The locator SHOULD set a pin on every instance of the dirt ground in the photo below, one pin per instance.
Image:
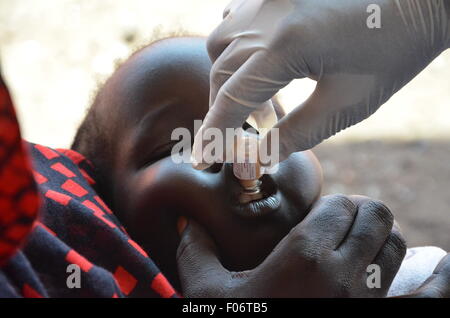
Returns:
(412, 178)
(55, 53)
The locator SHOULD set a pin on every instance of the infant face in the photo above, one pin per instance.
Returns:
(166, 86)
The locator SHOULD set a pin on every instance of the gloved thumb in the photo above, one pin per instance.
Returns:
(338, 102)
(199, 268)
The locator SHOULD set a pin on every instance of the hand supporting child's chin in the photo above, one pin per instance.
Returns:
(326, 255)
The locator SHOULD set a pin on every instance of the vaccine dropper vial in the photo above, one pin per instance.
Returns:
(246, 167)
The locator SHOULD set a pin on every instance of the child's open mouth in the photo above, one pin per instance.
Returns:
(261, 207)
(268, 202)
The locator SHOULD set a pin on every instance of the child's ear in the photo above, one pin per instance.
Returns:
(279, 110)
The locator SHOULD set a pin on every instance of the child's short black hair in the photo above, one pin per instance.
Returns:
(93, 142)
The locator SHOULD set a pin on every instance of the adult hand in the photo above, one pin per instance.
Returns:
(262, 45)
(326, 255)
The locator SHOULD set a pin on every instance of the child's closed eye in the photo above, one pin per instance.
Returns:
(159, 152)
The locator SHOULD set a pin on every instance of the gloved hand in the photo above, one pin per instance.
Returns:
(326, 255)
(262, 45)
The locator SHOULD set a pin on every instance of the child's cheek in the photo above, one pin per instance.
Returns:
(166, 184)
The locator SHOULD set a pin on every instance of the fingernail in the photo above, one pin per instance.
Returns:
(194, 162)
(199, 165)
(397, 226)
(181, 224)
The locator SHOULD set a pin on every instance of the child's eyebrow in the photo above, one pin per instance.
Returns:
(154, 113)
(147, 135)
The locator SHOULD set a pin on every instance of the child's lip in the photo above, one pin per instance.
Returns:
(270, 201)
(258, 208)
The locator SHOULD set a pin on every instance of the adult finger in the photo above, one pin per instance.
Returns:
(247, 90)
(236, 17)
(200, 271)
(308, 246)
(323, 229)
(370, 231)
(390, 258)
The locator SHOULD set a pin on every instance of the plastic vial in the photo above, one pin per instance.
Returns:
(246, 167)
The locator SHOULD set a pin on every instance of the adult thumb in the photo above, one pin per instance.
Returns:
(200, 271)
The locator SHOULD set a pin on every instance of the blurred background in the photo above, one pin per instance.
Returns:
(55, 53)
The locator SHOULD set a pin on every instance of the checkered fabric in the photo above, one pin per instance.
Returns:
(73, 226)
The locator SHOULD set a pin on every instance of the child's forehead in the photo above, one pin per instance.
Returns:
(171, 57)
(176, 68)
(167, 68)
(164, 97)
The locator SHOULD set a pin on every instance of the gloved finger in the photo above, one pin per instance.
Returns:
(204, 151)
(248, 89)
(263, 117)
(235, 19)
(198, 264)
(438, 284)
(390, 258)
(256, 81)
(231, 7)
(243, 32)
(338, 102)
(370, 230)
(226, 65)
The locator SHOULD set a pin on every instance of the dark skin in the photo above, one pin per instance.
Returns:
(165, 86)
(325, 255)
(169, 84)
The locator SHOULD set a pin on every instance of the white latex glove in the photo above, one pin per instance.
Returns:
(262, 45)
